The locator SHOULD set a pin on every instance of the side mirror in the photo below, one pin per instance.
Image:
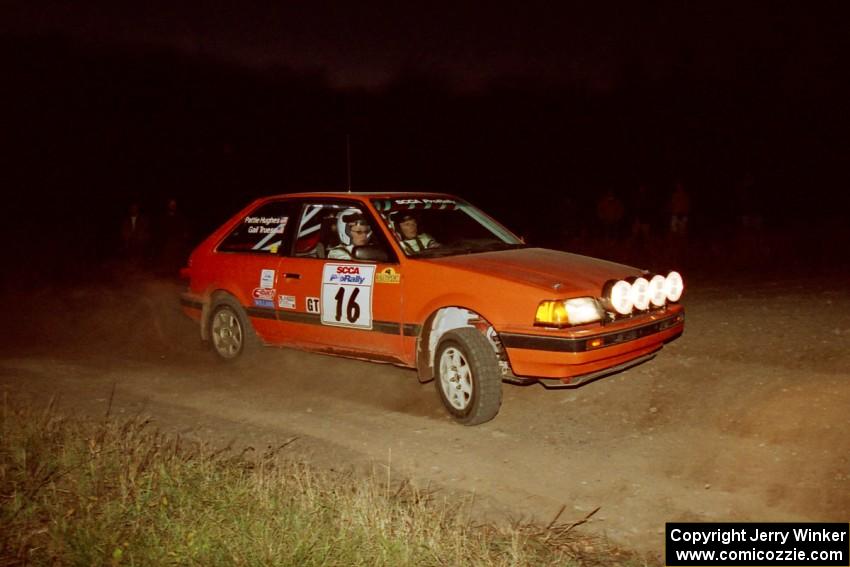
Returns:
(370, 253)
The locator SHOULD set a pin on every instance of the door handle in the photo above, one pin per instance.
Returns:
(291, 276)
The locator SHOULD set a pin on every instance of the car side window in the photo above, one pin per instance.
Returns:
(261, 231)
(316, 232)
(325, 230)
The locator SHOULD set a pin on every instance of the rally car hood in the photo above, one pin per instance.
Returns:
(558, 271)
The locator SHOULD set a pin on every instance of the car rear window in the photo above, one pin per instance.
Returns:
(260, 232)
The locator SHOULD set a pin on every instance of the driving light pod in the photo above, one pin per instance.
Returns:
(639, 294)
(619, 296)
(563, 313)
(657, 292)
(673, 286)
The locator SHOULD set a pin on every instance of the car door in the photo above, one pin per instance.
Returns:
(247, 262)
(338, 305)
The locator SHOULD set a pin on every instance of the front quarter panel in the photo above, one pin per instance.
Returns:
(430, 287)
(510, 306)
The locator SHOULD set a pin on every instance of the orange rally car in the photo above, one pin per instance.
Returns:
(426, 281)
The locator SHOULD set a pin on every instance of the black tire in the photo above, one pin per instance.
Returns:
(230, 332)
(469, 381)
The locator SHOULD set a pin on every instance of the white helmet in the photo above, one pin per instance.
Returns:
(346, 219)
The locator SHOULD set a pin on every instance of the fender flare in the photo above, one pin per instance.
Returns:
(446, 319)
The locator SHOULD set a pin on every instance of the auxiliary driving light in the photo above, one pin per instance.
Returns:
(640, 294)
(674, 286)
(620, 297)
(657, 293)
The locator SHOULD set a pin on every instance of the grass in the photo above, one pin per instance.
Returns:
(79, 491)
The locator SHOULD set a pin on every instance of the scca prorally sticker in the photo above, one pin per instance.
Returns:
(313, 305)
(347, 295)
(267, 279)
(427, 202)
(286, 301)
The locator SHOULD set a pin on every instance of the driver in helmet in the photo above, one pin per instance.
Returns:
(356, 232)
(412, 240)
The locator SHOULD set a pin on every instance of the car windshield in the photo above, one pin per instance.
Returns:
(432, 227)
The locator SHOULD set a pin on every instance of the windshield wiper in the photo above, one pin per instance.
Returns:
(440, 251)
(502, 246)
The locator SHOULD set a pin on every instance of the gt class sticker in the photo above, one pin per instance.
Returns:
(313, 304)
(347, 295)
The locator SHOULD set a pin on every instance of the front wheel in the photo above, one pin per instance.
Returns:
(469, 380)
(230, 331)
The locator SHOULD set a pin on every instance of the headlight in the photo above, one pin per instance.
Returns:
(673, 286)
(657, 292)
(567, 312)
(639, 294)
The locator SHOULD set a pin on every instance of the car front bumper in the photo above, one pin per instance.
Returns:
(575, 359)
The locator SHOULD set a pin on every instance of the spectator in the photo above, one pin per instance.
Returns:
(749, 214)
(135, 235)
(641, 212)
(173, 239)
(610, 211)
(680, 209)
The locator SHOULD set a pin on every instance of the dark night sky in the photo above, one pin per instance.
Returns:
(471, 44)
(217, 104)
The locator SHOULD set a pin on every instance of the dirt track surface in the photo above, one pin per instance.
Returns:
(745, 418)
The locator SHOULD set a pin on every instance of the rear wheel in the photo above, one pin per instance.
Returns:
(230, 332)
(469, 380)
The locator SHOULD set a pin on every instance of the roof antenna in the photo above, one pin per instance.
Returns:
(348, 158)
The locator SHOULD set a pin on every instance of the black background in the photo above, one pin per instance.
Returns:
(531, 114)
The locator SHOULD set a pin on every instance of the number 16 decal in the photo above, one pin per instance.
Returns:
(347, 295)
(352, 309)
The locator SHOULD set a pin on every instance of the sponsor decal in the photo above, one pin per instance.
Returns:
(388, 276)
(286, 301)
(425, 202)
(263, 293)
(268, 303)
(348, 275)
(267, 279)
(348, 279)
(314, 305)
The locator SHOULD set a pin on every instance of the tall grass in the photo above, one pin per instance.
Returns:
(102, 492)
